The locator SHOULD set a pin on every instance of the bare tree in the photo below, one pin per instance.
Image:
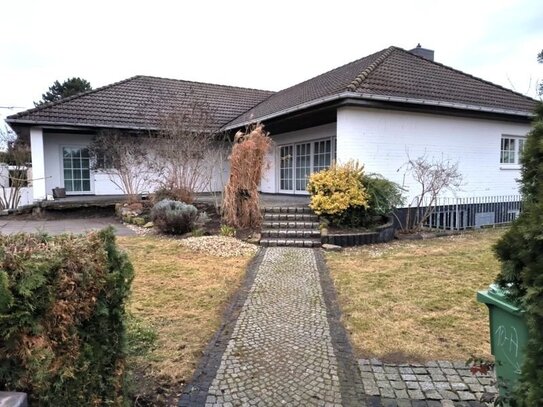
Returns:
(128, 160)
(432, 177)
(15, 160)
(187, 147)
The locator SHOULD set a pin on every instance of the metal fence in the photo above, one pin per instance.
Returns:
(474, 212)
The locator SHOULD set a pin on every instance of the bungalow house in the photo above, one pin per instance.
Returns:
(379, 110)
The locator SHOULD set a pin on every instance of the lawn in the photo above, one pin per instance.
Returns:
(177, 302)
(415, 300)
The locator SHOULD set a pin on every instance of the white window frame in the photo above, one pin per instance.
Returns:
(519, 142)
(333, 155)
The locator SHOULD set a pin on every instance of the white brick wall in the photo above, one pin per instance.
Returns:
(382, 139)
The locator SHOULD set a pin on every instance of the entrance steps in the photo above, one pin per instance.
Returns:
(290, 227)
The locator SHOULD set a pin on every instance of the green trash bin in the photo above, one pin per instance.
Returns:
(508, 336)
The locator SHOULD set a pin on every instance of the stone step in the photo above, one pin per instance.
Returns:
(273, 242)
(291, 233)
(289, 225)
(287, 209)
(303, 217)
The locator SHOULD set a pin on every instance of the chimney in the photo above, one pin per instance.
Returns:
(423, 52)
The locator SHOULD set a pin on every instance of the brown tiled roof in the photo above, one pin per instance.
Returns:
(140, 102)
(396, 75)
(392, 74)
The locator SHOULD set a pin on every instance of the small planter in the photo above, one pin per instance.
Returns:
(59, 193)
(508, 337)
(382, 234)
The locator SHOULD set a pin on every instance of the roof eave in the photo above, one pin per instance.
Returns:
(44, 123)
(383, 98)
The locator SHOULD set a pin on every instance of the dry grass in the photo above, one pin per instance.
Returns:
(415, 300)
(181, 295)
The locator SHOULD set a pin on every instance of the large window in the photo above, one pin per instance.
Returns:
(298, 161)
(511, 149)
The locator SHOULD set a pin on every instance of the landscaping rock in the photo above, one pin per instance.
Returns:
(148, 225)
(221, 246)
(332, 247)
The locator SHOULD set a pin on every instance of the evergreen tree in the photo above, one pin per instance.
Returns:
(69, 87)
(521, 253)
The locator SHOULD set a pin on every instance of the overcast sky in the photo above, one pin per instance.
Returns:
(267, 45)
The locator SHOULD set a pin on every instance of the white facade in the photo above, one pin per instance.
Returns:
(382, 140)
(48, 164)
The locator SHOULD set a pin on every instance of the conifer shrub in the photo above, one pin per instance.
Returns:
(62, 312)
(337, 191)
(521, 253)
(174, 217)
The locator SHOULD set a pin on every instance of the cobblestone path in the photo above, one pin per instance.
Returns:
(283, 349)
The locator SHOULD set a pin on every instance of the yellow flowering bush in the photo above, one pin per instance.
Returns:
(338, 188)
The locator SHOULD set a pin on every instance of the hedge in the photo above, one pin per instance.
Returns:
(62, 311)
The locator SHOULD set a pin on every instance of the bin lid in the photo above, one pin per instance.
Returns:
(497, 296)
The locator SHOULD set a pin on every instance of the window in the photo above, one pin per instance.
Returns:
(511, 149)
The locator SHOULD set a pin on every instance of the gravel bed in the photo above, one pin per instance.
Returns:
(221, 246)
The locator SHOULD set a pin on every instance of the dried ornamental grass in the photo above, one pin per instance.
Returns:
(241, 206)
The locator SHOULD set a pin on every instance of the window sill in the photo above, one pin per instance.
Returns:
(510, 167)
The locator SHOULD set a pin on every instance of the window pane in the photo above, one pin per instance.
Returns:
(86, 185)
(77, 185)
(68, 185)
(67, 163)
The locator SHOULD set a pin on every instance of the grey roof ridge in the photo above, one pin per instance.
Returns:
(466, 74)
(366, 72)
(296, 84)
(14, 117)
(206, 83)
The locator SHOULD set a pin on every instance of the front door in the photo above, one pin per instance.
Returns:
(76, 170)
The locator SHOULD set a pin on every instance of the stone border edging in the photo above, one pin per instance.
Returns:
(350, 380)
(382, 234)
(195, 391)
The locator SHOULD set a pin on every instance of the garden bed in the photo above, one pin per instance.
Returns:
(357, 237)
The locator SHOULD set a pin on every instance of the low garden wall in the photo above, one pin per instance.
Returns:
(382, 234)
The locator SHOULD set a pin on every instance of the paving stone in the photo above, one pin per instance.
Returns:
(420, 370)
(415, 394)
(432, 395)
(445, 363)
(465, 395)
(427, 386)
(423, 378)
(409, 377)
(401, 394)
(447, 403)
(406, 370)
(393, 376)
(448, 395)
(398, 385)
(387, 392)
(412, 385)
(476, 387)
(459, 386)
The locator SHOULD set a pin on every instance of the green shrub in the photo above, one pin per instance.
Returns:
(383, 196)
(521, 253)
(62, 310)
(336, 189)
(228, 231)
(174, 217)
